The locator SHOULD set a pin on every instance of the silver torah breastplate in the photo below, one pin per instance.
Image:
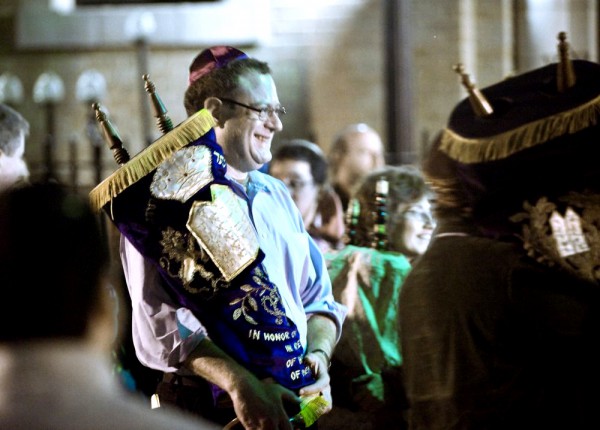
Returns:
(223, 229)
(181, 176)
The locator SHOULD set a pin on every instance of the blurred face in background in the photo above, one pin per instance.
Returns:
(297, 176)
(364, 153)
(412, 228)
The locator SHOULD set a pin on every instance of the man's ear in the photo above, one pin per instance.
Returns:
(215, 107)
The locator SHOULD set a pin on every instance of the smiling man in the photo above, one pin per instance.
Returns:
(231, 298)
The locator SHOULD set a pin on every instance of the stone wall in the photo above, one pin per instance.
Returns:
(328, 62)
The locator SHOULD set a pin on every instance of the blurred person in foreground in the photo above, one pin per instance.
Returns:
(302, 167)
(357, 149)
(14, 129)
(55, 361)
(389, 224)
(500, 318)
(231, 297)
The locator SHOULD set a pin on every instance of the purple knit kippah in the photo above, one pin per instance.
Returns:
(211, 59)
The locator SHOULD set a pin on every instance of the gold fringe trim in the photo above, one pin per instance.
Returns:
(479, 150)
(148, 159)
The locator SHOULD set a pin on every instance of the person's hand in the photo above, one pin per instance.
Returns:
(356, 273)
(319, 366)
(259, 405)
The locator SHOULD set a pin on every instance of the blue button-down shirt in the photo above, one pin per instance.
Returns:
(164, 334)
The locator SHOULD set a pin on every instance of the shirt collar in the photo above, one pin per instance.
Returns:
(259, 182)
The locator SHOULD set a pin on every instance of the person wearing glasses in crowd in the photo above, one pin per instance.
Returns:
(231, 296)
(388, 225)
(302, 167)
(356, 150)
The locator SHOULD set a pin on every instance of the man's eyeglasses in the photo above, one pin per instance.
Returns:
(263, 113)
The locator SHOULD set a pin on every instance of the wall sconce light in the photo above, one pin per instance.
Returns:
(91, 89)
(11, 89)
(49, 90)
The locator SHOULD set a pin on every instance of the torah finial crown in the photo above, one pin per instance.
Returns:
(565, 75)
(478, 101)
(111, 136)
(160, 112)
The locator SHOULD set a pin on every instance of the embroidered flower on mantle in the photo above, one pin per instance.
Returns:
(267, 294)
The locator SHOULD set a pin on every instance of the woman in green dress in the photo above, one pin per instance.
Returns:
(388, 224)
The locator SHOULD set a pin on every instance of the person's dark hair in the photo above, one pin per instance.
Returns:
(304, 150)
(221, 82)
(406, 185)
(52, 257)
(442, 176)
(12, 124)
